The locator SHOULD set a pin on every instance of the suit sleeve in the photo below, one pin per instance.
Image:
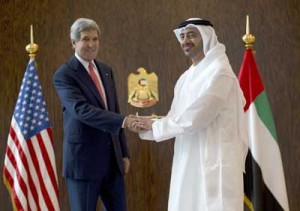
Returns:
(122, 138)
(81, 105)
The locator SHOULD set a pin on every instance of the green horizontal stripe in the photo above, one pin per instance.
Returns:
(265, 114)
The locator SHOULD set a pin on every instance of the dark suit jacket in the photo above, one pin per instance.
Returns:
(88, 127)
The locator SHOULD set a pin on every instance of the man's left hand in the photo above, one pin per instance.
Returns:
(126, 163)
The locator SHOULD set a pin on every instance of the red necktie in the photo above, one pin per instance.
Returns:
(97, 82)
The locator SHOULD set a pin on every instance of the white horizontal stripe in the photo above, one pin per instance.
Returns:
(48, 183)
(16, 185)
(44, 171)
(50, 150)
(265, 151)
(20, 166)
(32, 170)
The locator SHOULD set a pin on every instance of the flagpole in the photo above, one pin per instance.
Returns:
(248, 38)
(32, 48)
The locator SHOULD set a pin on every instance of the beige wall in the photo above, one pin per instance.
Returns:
(139, 33)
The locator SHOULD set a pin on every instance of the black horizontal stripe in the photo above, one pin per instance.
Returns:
(255, 188)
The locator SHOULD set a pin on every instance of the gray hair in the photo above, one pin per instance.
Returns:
(80, 25)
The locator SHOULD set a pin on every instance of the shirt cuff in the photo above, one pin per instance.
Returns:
(123, 124)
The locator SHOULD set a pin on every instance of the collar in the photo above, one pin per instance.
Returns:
(84, 63)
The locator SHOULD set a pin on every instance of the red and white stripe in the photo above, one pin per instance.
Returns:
(30, 170)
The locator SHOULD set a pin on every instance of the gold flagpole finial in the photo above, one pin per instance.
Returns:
(32, 48)
(248, 38)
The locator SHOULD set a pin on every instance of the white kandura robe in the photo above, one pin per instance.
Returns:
(207, 120)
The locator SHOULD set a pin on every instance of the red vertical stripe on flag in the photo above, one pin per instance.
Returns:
(249, 78)
(39, 174)
(18, 176)
(47, 160)
(25, 164)
(8, 179)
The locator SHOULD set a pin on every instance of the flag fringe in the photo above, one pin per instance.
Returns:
(6, 183)
(248, 203)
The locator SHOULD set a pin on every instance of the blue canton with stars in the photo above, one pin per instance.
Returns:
(30, 112)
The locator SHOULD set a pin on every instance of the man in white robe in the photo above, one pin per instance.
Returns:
(207, 120)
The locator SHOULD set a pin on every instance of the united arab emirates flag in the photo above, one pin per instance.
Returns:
(264, 183)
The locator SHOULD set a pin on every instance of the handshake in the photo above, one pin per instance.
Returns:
(138, 123)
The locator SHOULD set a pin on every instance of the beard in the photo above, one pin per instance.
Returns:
(191, 50)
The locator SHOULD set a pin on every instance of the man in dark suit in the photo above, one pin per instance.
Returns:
(95, 154)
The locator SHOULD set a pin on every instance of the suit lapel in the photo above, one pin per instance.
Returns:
(85, 78)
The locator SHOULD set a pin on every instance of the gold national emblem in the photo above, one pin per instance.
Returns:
(142, 89)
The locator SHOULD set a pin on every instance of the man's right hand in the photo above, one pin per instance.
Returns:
(138, 123)
(131, 124)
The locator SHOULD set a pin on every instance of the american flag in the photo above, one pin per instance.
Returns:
(29, 166)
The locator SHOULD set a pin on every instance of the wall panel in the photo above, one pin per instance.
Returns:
(139, 33)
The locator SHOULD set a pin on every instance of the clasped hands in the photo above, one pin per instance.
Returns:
(138, 123)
